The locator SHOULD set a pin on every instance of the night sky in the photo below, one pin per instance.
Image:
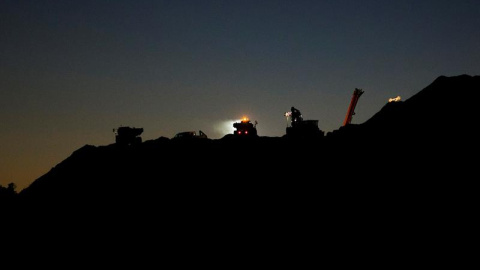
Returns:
(72, 71)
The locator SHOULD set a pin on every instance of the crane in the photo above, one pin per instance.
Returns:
(353, 103)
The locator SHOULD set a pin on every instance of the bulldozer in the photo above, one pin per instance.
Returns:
(128, 135)
(297, 127)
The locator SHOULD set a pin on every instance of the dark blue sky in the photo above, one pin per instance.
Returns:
(71, 71)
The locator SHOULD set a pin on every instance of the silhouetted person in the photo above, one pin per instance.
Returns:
(296, 116)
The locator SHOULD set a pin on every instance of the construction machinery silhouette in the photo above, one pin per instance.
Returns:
(299, 128)
(190, 134)
(351, 108)
(245, 128)
(128, 135)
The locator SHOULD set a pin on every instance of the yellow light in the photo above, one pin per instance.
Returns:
(395, 99)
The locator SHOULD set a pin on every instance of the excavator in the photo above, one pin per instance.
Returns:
(297, 127)
(351, 108)
(350, 113)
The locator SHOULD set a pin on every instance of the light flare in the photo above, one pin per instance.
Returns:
(395, 99)
(225, 127)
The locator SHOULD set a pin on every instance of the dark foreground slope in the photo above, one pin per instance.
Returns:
(406, 146)
(432, 133)
(445, 110)
(405, 176)
(179, 172)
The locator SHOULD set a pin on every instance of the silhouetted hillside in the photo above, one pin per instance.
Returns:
(403, 150)
(8, 193)
(443, 112)
(445, 108)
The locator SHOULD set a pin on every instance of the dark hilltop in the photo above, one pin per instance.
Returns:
(415, 136)
(411, 163)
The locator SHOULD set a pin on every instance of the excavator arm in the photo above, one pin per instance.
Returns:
(353, 103)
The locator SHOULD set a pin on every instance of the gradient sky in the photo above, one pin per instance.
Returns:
(71, 71)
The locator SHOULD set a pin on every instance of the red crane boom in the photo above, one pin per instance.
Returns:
(353, 103)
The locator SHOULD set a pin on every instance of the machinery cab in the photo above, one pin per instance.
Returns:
(245, 128)
(297, 127)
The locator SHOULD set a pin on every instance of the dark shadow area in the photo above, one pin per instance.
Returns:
(8, 194)
(411, 163)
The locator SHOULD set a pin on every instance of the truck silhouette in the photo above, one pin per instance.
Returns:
(128, 135)
(245, 128)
